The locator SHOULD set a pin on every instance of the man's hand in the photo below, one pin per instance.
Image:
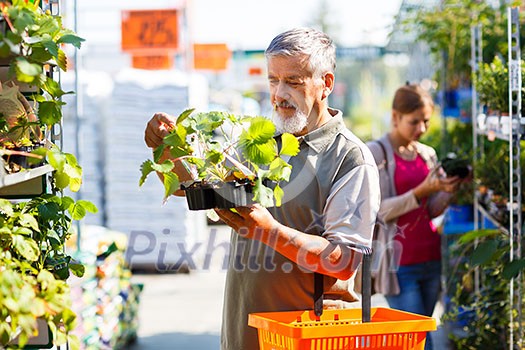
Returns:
(250, 222)
(157, 128)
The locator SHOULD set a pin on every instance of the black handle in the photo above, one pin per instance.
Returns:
(366, 285)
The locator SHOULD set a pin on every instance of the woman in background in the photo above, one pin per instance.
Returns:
(414, 190)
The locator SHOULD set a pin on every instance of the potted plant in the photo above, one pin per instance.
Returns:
(479, 318)
(31, 43)
(20, 132)
(234, 171)
(34, 263)
(446, 28)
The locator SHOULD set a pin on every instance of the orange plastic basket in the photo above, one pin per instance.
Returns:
(341, 329)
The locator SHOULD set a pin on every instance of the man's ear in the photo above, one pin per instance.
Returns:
(329, 80)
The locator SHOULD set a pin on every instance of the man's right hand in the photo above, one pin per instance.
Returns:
(158, 127)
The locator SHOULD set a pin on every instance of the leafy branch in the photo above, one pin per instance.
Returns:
(255, 155)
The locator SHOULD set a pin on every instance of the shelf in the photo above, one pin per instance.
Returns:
(24, 175)
(492, 135)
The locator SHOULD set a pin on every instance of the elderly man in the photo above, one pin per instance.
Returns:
(329, 204)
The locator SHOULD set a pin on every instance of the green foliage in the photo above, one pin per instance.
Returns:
(254, 154)
(34, 263)
(492, 85)
(446, 29)
(32, 42)
(483, 314)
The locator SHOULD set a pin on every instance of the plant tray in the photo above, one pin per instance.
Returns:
(222, 195)
(341, 330)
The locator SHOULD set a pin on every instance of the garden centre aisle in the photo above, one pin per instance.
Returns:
(183, 311)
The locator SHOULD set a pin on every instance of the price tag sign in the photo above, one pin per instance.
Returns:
(152, 62)
(515, 81)
(149, 30)
(211, 56)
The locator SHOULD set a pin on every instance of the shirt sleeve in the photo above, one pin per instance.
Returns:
(352, 207)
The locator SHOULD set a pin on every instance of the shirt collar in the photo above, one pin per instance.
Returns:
(321, 137)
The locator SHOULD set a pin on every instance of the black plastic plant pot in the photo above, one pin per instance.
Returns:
(199, 196)
(233, 194)
(22, 161)
(222, 195)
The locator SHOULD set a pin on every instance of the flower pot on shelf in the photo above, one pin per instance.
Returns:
(18, 158)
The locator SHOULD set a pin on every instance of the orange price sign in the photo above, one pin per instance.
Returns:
(153, 62)
(149, 30)
(211, 56)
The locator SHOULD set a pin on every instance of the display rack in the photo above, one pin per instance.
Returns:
(31, 182)
(510, 130)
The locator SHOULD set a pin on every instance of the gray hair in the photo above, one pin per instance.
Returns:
(313, 43)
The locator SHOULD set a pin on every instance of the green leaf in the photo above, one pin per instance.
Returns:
(87, 205)
(278, 170)
(214, 157)
(145, 169)
(263, 195)
(25, 71)
(476, 234)
(72, 39)
(163, 168)
(512, 269)
(53, 88)
(6, 207)
(61, 180)
(77, 269)
(54, 239)
(26, 247)
(184, 115)
(75, 184)
(66, 202)
(260, 153)
(49, 211)
(28, 220)
(77, 211)
(290, 146)
(483, 252)
(171, 184)
(278, 194)
(50, 112)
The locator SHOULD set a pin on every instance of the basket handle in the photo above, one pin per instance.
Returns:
(366, 282)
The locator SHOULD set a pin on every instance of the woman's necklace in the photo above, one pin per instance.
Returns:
(406, 152)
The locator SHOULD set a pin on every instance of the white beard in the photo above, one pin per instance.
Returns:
(292, 125)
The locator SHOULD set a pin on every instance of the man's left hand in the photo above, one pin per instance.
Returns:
(249, 222)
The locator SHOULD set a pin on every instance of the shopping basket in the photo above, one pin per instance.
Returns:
(343, 329)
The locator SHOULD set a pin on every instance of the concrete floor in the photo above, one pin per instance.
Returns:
(183, 311)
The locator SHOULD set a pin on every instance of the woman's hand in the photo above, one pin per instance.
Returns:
(434, 182)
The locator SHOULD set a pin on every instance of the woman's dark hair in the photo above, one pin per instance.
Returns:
(409, 98)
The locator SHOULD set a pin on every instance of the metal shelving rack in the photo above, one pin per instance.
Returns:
(515, 224)
(33, 182)
(513, 137)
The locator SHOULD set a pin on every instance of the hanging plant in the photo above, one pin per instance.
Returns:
(248, 158)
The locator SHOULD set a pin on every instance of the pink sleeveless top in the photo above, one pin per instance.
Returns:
(417, 234)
